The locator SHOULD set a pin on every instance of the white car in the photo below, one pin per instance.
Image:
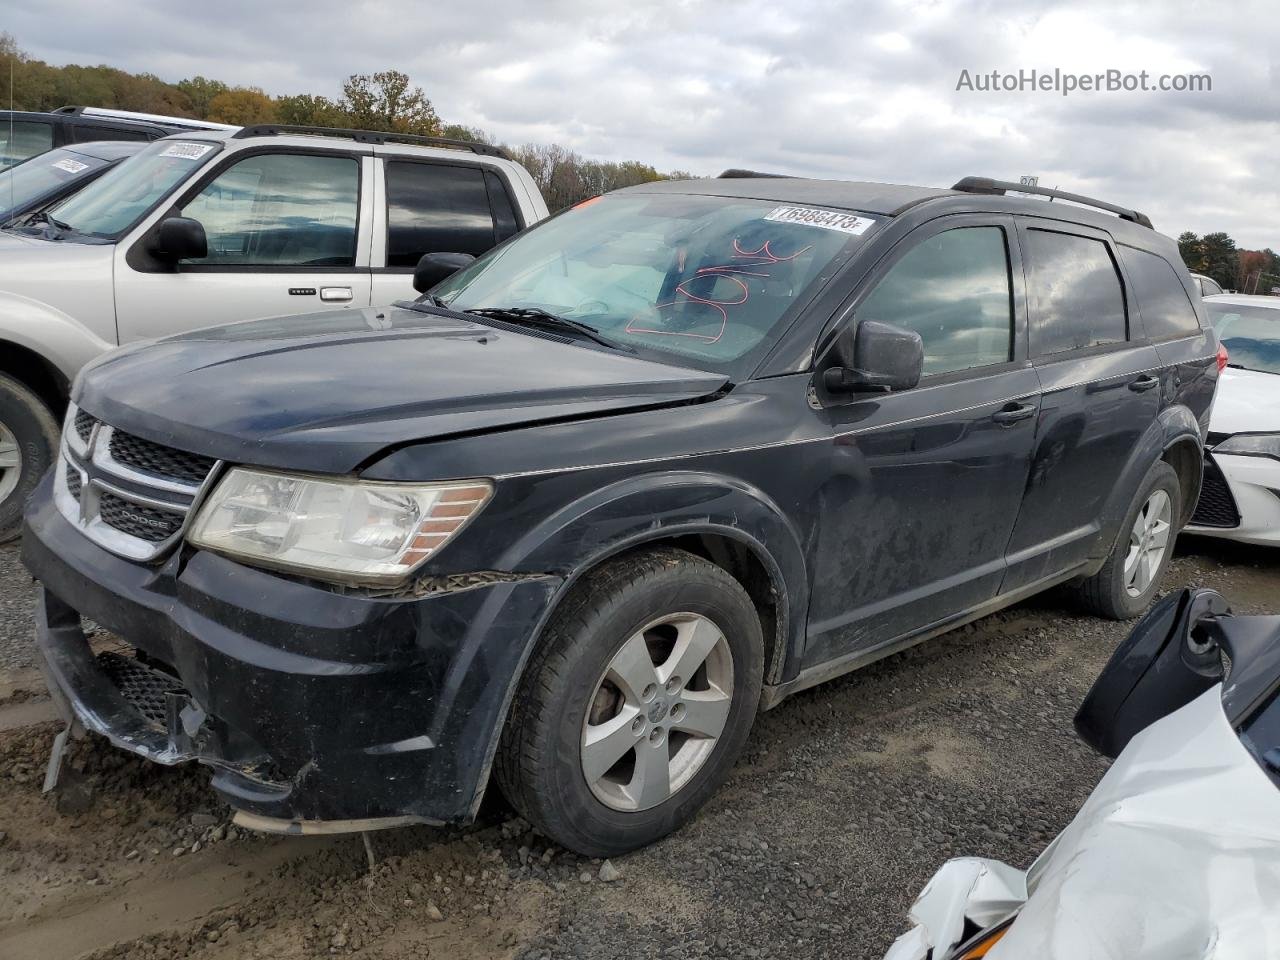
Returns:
(1240, 497)
(1176, 854)
(214, 226)
(1208, 286)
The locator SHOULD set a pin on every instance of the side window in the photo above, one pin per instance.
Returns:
(84, 133)
(952, 289)
(281, 210)
(435, 208)
(1075, 293)
(504, 215)
(1166, 308)
(26, 140)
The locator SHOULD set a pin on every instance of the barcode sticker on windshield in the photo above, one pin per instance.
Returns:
(826, 219)
(69, 165)
(187, 151)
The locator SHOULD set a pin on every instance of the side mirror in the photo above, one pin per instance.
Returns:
(181, 238)
(434, 267)
(875, 356)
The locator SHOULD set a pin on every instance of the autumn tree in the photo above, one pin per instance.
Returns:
(242, 106)
(386, 101)
(201, 91)
(307, 110)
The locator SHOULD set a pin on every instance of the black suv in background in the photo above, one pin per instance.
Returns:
(26, 133)
(575, 514)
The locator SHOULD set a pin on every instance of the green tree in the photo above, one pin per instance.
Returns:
(307, 110)
(385, 101)
(201, 91)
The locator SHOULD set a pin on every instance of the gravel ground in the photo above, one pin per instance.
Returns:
(848, 798)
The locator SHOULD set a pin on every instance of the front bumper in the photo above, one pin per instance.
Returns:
(1254, 488)
(309, 704)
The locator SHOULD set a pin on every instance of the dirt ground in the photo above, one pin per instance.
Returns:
(847, 799)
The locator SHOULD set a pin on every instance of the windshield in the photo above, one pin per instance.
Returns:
(114, 203)
(1250, 334)
(34, 178)
(712, 280)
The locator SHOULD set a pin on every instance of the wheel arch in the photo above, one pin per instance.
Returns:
(35, 372)
(1186, 455)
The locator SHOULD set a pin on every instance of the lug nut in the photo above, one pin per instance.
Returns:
(655, 735)
(637, 724)
(677, 711)
(648, 692)
(673, 685)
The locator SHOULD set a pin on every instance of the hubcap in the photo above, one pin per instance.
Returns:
(657, 712)
(1148, 541)
(10, 462)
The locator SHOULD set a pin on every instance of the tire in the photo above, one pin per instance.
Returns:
(572, 690)
(29, 437)
(1108, 593)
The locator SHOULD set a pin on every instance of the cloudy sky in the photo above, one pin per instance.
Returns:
(859, 91)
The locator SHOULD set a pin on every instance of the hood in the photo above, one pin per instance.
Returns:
(326, 392)
(1247, 401)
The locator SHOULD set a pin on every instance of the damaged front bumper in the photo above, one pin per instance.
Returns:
(317, 710)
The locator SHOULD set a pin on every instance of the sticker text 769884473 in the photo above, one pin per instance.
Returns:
(826, 219)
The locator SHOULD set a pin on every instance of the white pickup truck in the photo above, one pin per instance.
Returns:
(217, 226)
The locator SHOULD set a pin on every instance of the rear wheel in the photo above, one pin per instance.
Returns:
(28, 444)
(635, 706)
(1127, 582)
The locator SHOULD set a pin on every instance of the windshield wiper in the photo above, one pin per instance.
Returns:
(42, 216)
(544, 319)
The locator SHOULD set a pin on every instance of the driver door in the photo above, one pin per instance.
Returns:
(288, 232)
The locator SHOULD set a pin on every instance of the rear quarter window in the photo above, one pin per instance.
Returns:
(1166, 309)
(1075, 293)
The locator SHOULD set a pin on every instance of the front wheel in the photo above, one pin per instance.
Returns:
(28, 444)
(636, 704)
(1125, 585)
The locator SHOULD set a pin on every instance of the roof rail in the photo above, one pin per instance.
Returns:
(734, 173)
(367, 136)
(184, 122)
(999, 187)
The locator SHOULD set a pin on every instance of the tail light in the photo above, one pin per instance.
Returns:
(1223, 357)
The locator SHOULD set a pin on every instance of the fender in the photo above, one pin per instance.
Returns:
(66, 343)
(658, 506)
(1172, 425)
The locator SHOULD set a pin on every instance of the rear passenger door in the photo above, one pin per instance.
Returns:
(287, 234)
(434, 206)
(1100, 387)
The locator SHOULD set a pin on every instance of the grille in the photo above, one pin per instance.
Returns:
(73, 482)
(84, 425)
(159, 460)
(136, 520)
(1216, 506)
(145, 689)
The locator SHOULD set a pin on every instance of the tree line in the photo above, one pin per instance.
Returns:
(1216, 255)
(389, 101)
(386, 101)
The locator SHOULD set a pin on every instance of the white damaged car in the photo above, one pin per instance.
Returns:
(1240, 497)
(1176, 854)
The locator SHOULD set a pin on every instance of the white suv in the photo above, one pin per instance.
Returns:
(216, 226)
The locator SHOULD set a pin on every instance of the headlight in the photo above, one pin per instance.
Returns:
(1251, 445)
(334, 529)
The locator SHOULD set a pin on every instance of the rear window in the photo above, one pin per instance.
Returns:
(22, 139)
(436, 208)
(1075, 293)
(88, 133)
(1166, 308)
(1250, 333)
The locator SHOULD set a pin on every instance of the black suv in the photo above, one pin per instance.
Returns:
(578, 512)
(25, 133)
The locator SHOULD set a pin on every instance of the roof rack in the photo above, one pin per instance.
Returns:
(367, 136)
(999, 187)
(734, 173)
(185, 122)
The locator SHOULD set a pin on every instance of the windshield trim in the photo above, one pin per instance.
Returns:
(200, 166)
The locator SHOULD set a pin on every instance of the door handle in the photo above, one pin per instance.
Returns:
(1144, 382)
(335, 294)
(1013, 412)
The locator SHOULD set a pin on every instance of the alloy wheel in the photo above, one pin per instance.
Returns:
(10, 462)
(657, 712)
(1148, 541)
